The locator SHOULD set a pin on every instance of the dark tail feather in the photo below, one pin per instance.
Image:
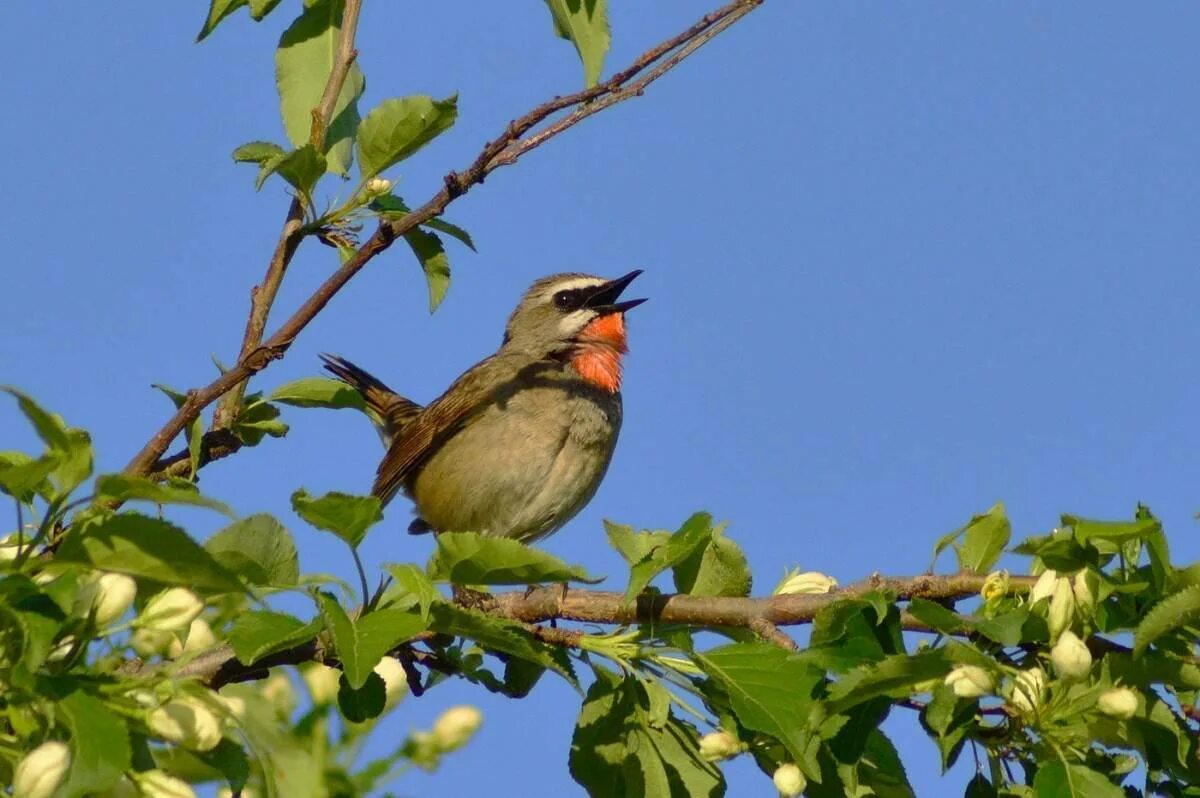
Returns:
(388, 410)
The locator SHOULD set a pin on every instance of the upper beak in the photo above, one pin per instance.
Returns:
(605, 298)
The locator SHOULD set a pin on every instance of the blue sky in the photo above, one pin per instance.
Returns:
(904, 260)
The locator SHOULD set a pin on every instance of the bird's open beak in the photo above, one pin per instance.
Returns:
(604, 301)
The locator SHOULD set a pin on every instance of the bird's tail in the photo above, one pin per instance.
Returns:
(388, 410)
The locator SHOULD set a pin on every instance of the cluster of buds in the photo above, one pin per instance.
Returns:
(1070, 597)
(789, 780)
(795, 582)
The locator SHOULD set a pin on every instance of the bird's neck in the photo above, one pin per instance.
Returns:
(596, 356)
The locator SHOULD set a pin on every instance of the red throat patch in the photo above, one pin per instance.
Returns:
(597, 357)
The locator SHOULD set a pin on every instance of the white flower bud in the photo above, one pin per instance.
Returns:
(1062, 608)
(278, 690)
(395, 681)
(199, 637)
(377, 186)
(1120, 702)
(322, 682)
(9, 548)
(157, 784)
(62, 650)
(455, 727)
(809, 582)
(107, 596)
(996, 586)
(1028, 690)
(789, 780)
(170, 610)
(188, 722)
(149, 642)
(970, 681)
(1044, 586)
(42, 770)
(719, 745)
(1071, 657)
(235, 705)
(1084, 585)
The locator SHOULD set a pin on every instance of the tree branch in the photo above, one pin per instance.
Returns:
(503, 151)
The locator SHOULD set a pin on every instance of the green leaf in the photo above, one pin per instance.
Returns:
(718, 568)
(412, 581)
(1112, 531)
(362, 703)
(303, 62)
(137, 545)
(22, 476)
(434, 262)
(468, 558)
(984, 540)
(35, 617)
(980, 787)
(100, 750)
(260, 8)
(452, 230)
(301, 168)
(258, 548)
(361, 644)
(1058, 780)
(1171, 613)
(585, 24)
(936, 617)
(195, 432)
(881, 770)
(217, 11)
(897, 672)
(633, 546)
(123, 488)
(318, 392)
(49, 427)
(398, 127)
(625, 746)
(348, 517)
(258, 152)
(70, 449)
(257, 419)
(256, 634)
(695, 533)
(770, 690)
(500, 634)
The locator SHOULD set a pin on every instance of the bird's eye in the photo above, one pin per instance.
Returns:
(566, 300)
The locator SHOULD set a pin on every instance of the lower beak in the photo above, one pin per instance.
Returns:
(604, 301)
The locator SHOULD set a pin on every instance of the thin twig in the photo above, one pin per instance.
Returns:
(658, 60)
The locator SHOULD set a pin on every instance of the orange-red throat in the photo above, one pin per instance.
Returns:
(597, 355)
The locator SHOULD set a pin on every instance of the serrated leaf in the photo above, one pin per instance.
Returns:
(362, 703)
(49, 427)
(984, 539)
(100, 750)
(770, 690)
(22, 476)
(260, 549)
(468, 558)
(500, 634)
(1171, 613)
(361, 644)
(936, 617)
(695, 533)
(398, 127)
(137, 545)
(633, 546)
(718, 568)
(257, 419)
(124, 488)
(412, 581)
(585, 24)
(348, 517)
(899, 671)
(434, 263)
(303, 62)
(318, 392)
(70, 449)
(301, 168)
(452, 230)
(258, 152)
(256, 634)
(217, 11)
(1056, 779)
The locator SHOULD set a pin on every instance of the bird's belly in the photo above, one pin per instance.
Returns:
(520, 469)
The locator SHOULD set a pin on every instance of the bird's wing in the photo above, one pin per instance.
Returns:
(388, 410)
(441, 418)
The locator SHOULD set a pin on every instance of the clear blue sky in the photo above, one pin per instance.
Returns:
(904, 260)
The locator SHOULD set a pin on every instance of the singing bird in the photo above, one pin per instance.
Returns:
(520, 442)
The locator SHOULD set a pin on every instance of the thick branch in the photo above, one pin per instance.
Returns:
(262, 296)
(501, 152)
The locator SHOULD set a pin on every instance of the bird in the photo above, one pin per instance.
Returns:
(521, 441)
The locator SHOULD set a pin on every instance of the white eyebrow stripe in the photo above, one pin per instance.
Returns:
(578, 282)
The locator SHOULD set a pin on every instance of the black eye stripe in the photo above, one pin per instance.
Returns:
(573, 298)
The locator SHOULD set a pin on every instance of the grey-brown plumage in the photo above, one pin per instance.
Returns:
(521, 441)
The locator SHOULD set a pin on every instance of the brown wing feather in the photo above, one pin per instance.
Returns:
(388, 410)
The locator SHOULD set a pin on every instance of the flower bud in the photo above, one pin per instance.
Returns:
(1027, 691)
(1084, 586)
(1071, 657)
(106, 597)
(187, 721)
(1120, 702)
(377, 186)
(9, 548)
(807, 583)
(278, 690)
(970, 681)
(322, 682)
(61, 650)
(149, 642)
(455, 727)
(719, 745)
(995, 587)
(1062, 608)
(42, 770)
(199, 637)
(157, 784)
(1044, 586)
(789, 780)
(395, 681)
(170, 610)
